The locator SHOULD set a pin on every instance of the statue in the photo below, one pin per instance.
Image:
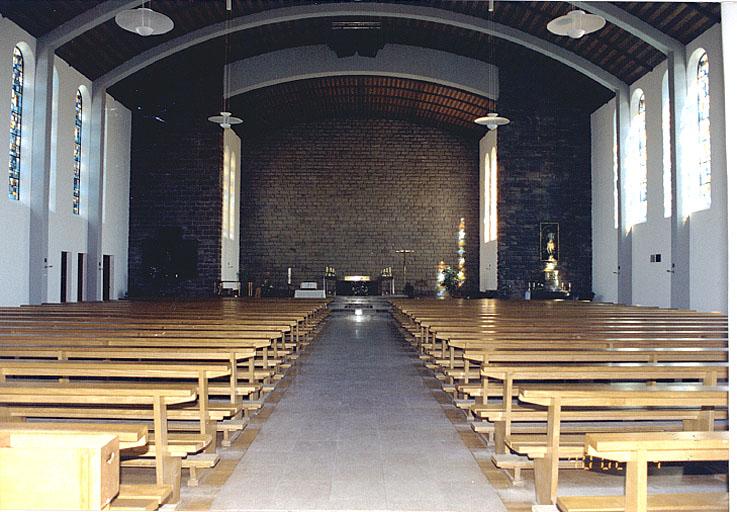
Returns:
(550, 247)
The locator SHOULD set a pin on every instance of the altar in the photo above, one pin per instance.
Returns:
(357, 286)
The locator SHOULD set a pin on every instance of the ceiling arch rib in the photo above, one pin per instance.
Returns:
(429, 14)
(396, 61)
(85, 21)
(632, 24)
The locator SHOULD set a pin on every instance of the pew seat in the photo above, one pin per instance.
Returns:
(637, 450)
(677, 502)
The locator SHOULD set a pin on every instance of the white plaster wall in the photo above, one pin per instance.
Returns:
(487, 250)
(604, 247)
(708, 252)
(708, 228)
(729, 38)
(230, 238)
(651, 281)
(67, 231)
(116, 194)
(14, 215)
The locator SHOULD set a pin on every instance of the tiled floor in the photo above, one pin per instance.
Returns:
(358, 430)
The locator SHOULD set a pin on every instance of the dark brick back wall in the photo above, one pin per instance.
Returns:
(348, 192)
(175, 183)
(544, 176)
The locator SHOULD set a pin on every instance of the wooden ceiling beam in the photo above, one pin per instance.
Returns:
(632, 24)
(88, 20)
(432, 15)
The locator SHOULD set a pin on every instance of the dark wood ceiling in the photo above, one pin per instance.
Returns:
(191, 79)
(613, 49)
(360, 97)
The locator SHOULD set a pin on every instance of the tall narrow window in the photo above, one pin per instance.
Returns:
(703, 133)
(615, 169)
(493, 195)
(231, 207)
(641, 141)
(226, 193)
(487, 199)
(77, 150)
(667, 190)
(16, 125)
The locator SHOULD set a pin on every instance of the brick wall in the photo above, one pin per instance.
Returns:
(175, 187)
(349, 192)
(544, 176)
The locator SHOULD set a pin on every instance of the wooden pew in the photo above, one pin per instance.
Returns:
(129, 435)
(159, 398)
(636, 450)
(707, 373)
(547, 451)
(61, 470)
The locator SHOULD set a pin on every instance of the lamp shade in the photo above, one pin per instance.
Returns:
(492, 120)
(144, 21)
(225, 119)
(576, 24)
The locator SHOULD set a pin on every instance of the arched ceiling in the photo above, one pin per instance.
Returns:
(358, 96)
(192, 79)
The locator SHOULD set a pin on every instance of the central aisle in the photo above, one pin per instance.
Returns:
(357, 429)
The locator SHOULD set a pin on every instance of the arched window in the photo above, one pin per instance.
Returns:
(16, 124)
(703, 150)
(77, 150)
(667, 191)
(641, 142)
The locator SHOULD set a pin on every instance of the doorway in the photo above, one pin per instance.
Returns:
(107, 275)
(64, 276)
(80, 275)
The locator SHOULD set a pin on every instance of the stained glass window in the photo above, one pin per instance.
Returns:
(642, 160)
(77, 150)
(704, 133)
(16, 125)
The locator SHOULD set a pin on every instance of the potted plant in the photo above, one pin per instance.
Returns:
(452, 283)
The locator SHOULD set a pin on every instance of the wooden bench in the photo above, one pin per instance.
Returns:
(59, 470)
(600, 396)
(636, 450)
(158, 397)
(707, 373)
(129, 435)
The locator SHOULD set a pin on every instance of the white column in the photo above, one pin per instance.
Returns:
(680, 293)
(624, 256)
(95, 185)
(729, 45)
(41, 169)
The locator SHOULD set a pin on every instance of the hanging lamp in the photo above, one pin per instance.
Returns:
(576, 24)
(492, 120)
(144, 21)
(226, 119)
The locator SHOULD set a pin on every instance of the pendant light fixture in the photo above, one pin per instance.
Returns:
(492, 120)
(144, 21)
(226, 119)
(576, 24)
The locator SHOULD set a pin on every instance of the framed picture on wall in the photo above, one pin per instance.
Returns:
(549, 241)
